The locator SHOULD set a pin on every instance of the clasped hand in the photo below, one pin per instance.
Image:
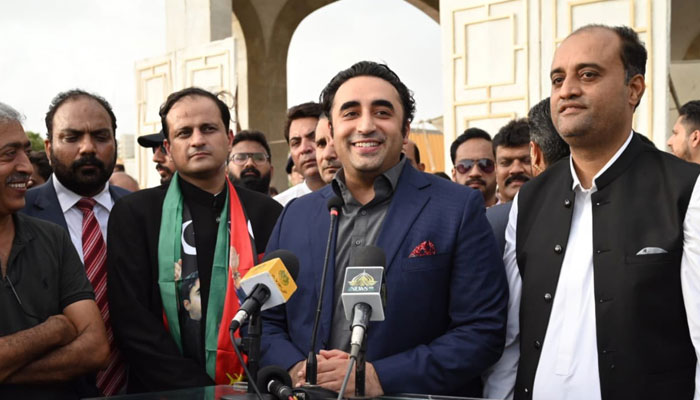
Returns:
(332, 366)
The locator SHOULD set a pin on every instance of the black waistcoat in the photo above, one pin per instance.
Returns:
(644, 347)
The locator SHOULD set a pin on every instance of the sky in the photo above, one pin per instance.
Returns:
(52, 46)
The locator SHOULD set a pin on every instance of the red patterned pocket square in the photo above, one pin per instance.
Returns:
(427, 248)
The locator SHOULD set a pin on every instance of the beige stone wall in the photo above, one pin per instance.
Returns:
(497, 55)
(210, 66)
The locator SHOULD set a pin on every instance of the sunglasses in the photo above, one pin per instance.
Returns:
(486, 165)
(241, 158)
(161, 147)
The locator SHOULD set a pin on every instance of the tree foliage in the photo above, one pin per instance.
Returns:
(36, 140)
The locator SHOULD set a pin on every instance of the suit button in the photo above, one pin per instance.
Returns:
(612, 366)
(547, 297)
(567, 203)
(557, 249)
(358, 242)
(526, 390)
(538, 344)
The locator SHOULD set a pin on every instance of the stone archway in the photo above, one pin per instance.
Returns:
(266, 27)
(693, 52)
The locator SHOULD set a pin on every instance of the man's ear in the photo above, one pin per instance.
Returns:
(454, 175)
(166, 144)
(637, 87)
(230, 140)
(47, 147)
(536, 159)
(694, 139)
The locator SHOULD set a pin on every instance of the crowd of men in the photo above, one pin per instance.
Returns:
(561, 260)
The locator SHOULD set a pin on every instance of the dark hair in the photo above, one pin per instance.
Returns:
(39, 159)
(289, 166)
(193, 91)
(471, 133)
(632, 52)
(691, 114)
(74, 94)
(304, 110)
(543, 132)
(442, 175)
(369, 68)
(513, 134)
(252, 136)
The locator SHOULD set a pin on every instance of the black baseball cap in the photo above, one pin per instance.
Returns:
(152, 140)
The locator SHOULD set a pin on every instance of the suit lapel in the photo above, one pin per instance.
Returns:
(47, 205)
(408, 201)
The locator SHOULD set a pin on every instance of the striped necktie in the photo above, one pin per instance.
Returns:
(111, 380)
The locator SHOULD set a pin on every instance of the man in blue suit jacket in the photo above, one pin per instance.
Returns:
(42, 202)
(445, 284)
(82, 147)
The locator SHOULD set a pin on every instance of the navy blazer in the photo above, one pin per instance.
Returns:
(445, 313)
(42, 202)
(498, 218)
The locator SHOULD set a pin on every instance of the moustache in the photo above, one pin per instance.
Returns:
(331, 164)
(247, 170)
(91, 160)
(18, 177)
(519, 177)
(162, 167)
(475, 180)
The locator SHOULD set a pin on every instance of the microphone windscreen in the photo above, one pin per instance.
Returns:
(272, 372)
(368, 256)
(335, 202)
(290, 261)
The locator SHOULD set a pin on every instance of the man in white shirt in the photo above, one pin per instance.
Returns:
(607, 244)
(82, 148)
(685, 136)
(300, 132)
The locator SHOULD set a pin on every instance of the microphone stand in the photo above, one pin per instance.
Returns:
(251, 344)
(360, 368)
(311, 361)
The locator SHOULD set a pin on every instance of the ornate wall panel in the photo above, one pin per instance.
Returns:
(485, 46)
(210, 66)
(497, 56)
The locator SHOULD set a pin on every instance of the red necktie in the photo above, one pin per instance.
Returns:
(111, 380)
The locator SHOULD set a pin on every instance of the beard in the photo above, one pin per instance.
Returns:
(256, 181)
(85, 183)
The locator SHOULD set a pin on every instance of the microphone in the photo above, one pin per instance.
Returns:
(276, 381)
(363, 293)
(267, 285)
(335, 204)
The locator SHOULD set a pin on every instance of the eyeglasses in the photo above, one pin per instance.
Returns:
(486, 165)
(242, 158)
(161, 147)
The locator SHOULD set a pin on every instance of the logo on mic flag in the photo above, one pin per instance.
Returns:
(271, 273)
(362, 282)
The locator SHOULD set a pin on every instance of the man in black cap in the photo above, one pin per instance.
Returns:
(164, 164)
